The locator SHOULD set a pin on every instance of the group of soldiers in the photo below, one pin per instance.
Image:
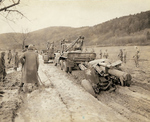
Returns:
(30, 63)
(3, 65)
(123, 55)
(105, 55)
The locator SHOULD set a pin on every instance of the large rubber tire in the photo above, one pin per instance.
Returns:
(88, 87)
(65, 68)
(70, 70)
(104, 84)
(61, 64)
(45, 62)
(55, 64)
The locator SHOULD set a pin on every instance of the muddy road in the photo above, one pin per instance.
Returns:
(64, 100)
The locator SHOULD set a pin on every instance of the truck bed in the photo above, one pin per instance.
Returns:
(79, 56)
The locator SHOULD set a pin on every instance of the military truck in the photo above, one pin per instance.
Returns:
(71, 55)
(48, 53)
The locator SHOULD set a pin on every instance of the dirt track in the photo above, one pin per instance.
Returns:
(65, 100)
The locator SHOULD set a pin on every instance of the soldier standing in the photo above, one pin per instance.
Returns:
(48, 45)
(105, 54)
(85, 50)
(124, 55)
(120, 55)
(16, 61)
(100, 54)
(136, 58)
(30, 62)
(2, 67)
(9, 56)
(93, 51)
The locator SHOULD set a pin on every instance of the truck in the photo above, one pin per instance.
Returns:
(48, 53)
(71, 55)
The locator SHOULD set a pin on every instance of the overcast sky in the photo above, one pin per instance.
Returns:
(74, 13)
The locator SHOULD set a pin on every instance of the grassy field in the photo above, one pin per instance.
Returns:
(142, 73)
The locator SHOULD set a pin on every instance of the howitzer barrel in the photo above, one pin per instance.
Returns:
(124, 77)
(82, 67)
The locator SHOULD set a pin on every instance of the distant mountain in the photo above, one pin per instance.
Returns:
(126, 30)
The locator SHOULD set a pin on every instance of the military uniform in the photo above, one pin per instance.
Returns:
(124, 56)
(120, 55)
(30, 64)
(16, 61)
(2, 67)
(9, 56)
(100, 54)
(136, 58)
(105, 54)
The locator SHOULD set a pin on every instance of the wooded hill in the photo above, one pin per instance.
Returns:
(126, 30)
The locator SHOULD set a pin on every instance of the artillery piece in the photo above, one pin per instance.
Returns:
(103, 75)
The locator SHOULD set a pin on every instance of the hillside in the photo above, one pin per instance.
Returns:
(126, 30)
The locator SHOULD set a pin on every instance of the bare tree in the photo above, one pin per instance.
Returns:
(8, 7)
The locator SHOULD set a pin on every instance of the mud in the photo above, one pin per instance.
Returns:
(10, 100)
(62, 99)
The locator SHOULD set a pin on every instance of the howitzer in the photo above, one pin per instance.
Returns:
(104, 75)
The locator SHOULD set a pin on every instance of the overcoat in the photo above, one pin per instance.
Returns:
(16, 60)
(30, 66)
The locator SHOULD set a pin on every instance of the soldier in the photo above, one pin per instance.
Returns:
(16, 61)
(137, 49)
(9, 56)
(124, 55)
(30, 62)
(120, 55)
(136, 58)
(100, 54)
(85, 50)
(105, 54)
(2, 67)
(36, 51)
(25, 49)
(48, 45)
(93, 50)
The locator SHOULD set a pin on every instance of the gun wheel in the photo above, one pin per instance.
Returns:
(65, 68)
(70, 70)
(61, 64)
(88, 87)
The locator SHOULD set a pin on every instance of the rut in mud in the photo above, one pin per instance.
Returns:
(65, 100)
(10, 101)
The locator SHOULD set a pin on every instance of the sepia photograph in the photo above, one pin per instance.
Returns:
(74, 60)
